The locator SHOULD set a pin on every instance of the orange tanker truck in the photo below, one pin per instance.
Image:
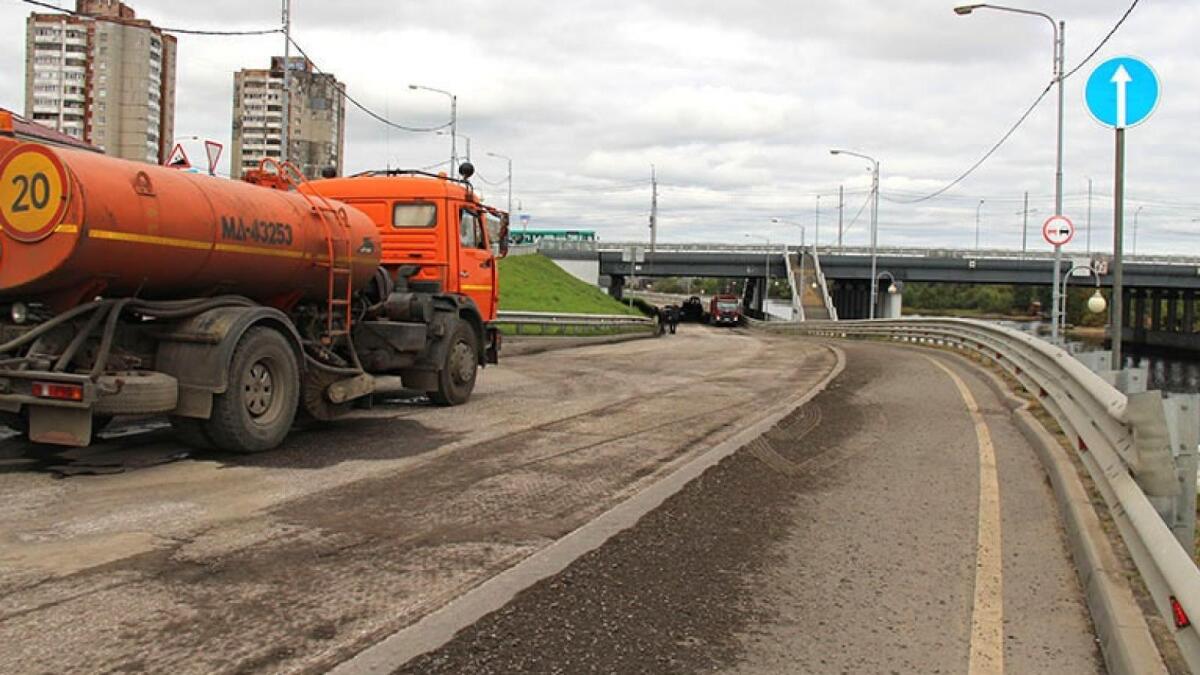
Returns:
(231, 306)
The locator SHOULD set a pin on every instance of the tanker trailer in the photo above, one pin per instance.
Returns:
(229, 306)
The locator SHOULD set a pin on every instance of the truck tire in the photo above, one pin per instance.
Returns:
(257, 410)
(140, 394)
(456, 377)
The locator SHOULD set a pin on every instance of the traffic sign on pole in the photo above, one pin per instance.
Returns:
(213, 149)
(1058, 231)
(1122, 92)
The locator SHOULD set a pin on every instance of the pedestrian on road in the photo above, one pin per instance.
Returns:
(663, 319)
(673, 317)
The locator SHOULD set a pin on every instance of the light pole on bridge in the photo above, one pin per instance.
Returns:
(874, 220)
(1060, 30)
(978, 210)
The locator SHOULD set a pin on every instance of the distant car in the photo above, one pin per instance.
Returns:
(692, 310)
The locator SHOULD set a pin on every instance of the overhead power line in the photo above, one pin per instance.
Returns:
(1020, 121)
(183, 31)
(370, 113)
(1103, 42)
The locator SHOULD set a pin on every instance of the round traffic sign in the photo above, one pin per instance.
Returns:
(33, 192)
(1058, 230)
(1122, 92)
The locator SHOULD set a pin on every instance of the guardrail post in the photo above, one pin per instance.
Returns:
(1183, 421)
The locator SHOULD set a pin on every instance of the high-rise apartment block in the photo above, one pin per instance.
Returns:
(102, 76)
(318, 118)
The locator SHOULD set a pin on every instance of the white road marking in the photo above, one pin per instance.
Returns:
(987, 615)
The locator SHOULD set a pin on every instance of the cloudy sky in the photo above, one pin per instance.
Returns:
(737, 104)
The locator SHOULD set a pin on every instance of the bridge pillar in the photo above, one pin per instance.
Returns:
(1172, 311)
(1189, 312)
(1156, 313)
(616, 287)
(1127, 321)
(1139, 314)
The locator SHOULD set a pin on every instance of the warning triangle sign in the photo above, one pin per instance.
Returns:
(178, 159)
(214, 150)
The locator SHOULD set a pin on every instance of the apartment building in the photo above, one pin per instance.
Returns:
(317, 111)
(104, 77)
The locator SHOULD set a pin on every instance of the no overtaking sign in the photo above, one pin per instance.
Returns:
(1058, 231)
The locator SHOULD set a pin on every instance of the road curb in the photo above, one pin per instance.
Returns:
(1124, 635)
(436, 629)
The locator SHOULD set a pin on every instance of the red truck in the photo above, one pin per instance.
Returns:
(725, 310)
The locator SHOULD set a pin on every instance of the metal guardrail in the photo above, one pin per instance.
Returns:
(1124, 442)
(582, 323)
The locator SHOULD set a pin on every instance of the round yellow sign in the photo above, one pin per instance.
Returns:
(33, 192)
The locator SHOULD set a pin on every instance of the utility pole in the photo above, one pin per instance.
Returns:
(817, 229)
(653, 209)
(1089, 218)
(841, 213)
(287, 81)
(1025, 228)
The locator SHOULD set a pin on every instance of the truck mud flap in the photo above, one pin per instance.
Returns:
(60, 426)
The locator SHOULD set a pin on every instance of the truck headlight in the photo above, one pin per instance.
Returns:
(20, 313)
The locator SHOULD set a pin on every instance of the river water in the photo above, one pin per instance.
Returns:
(1176, 374)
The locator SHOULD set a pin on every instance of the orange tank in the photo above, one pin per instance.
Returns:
(78, 224)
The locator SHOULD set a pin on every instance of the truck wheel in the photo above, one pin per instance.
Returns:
(456, 377)
(257, 410)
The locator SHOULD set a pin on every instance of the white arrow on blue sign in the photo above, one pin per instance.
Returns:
(1122, 92)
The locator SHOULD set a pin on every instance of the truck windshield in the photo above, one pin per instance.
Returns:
(414, 215)
(727, 306)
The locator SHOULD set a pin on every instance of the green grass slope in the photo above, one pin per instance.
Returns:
(533, 283)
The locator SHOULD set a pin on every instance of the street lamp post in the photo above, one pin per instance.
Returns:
(803, 231)
(1135, 227)
(1060, 30)
(874, 220)
(453, 123)
(1096, 304)
(509, 160)
(978, 209)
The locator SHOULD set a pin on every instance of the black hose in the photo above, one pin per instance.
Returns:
(78, 341)
(50, 325)
(110, 334)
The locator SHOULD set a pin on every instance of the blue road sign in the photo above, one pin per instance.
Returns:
(1122, 92)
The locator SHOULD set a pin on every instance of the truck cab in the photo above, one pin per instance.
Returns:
(436, 232)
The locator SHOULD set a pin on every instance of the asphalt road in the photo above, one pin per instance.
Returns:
(898, 523)
(132, 556)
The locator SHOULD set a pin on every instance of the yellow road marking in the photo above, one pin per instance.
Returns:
(987, 614)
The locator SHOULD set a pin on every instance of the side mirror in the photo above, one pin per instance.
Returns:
(504, 238)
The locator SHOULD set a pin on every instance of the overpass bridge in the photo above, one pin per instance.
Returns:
(1160, 291)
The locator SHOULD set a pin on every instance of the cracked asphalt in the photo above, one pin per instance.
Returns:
(842, 541)
(294, 560)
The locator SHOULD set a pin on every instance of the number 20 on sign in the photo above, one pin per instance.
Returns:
(33, 190)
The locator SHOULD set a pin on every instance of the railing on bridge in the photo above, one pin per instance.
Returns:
(1139, 449)
(889, 252)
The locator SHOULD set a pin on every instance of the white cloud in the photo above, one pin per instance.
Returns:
(736, 103)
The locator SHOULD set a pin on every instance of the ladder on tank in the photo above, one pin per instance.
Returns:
(339, 294)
